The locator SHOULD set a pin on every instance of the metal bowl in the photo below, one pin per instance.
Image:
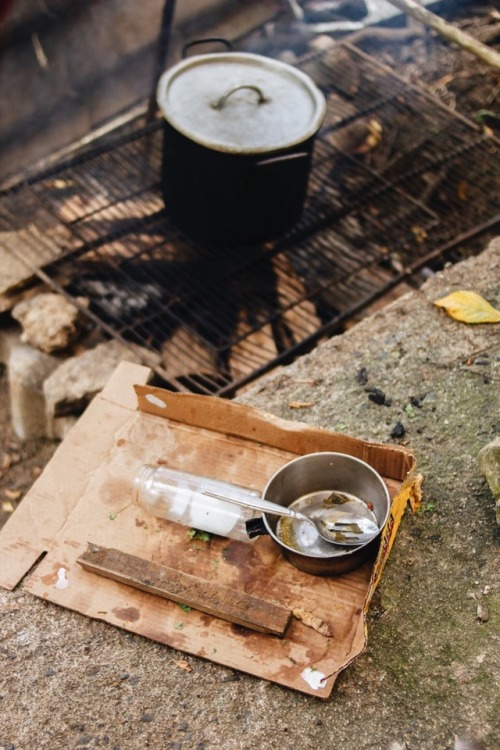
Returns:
(313, 475)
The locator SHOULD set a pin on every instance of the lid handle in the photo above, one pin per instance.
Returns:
(262, 99)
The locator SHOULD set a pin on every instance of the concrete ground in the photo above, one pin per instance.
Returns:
(430, 672)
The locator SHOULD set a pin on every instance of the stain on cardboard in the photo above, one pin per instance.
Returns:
(50, 578)
(126, 614)
(115, 490)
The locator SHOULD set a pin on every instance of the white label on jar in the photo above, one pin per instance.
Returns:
(215, 516)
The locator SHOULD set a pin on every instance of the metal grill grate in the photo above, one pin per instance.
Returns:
(211, 320)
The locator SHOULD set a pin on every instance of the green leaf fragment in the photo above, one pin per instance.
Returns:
(203, 536)
(410, 411)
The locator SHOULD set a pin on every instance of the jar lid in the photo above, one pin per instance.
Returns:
(240, 103)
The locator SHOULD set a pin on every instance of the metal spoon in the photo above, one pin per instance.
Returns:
(332, 526)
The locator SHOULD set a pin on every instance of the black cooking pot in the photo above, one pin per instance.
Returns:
(239, 133)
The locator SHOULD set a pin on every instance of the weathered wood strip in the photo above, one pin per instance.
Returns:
(183, 588)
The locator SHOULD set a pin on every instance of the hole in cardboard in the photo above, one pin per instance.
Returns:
(156, 401)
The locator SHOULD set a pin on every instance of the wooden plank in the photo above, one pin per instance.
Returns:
(183, 588)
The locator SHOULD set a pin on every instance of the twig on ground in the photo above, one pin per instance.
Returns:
(489, 56)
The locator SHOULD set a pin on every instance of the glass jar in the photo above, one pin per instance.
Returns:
(179, 496)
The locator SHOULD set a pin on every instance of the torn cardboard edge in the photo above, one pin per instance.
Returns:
(53, 515)
(30, 531)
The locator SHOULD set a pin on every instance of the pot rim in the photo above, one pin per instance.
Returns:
(285, 70)
(347, 551)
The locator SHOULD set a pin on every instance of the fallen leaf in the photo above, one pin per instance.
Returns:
(6, 462)
(468, 307)
(373, 137)
(312, 621)
(183, 665)
(416, 493)
(13, 494)
(300, 404)
(419, 234)
(462, 190)
(410, 411)
(7, 507)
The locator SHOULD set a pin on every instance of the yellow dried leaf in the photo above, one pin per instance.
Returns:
(416, 493)
(6, 462)
(469, 307)
(300, 404)
(419, 234)
(462, 190)
(373, 137)
(13, 494)
(183, 665)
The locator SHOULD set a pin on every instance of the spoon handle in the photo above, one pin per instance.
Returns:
(256, 503)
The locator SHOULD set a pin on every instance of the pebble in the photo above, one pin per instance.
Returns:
(398, 430)
(482, 612)
(362, 376)
(378, 397)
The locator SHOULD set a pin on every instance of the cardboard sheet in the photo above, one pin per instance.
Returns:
(85, 495)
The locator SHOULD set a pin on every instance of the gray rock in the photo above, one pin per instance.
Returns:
(72, 386)
(489, 463)
(27, 370)
(49, 321)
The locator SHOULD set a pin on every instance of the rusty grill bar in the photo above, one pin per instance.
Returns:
(210, 320)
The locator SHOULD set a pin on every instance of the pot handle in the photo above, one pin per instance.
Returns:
(255, 527)
(262, 98)
(208, 40)
(285, 157)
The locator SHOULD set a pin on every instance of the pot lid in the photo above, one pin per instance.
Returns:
(240, 103)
